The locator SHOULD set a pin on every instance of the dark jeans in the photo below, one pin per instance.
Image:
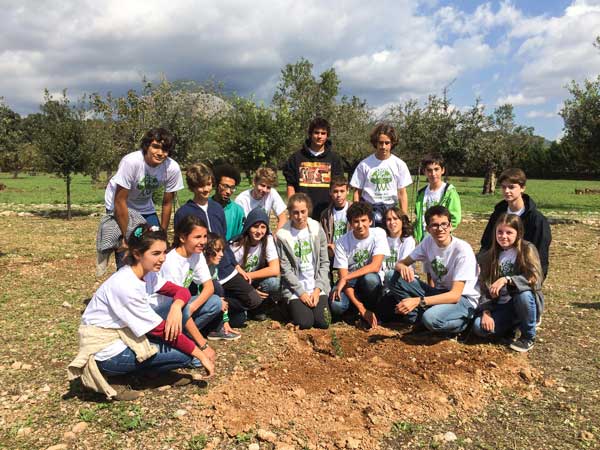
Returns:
(151, 219)
(166, 359)
(307, 317)
(521, 311)
(366, 288)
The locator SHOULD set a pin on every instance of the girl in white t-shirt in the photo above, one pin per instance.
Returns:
(256, 254)
(122, 303)
(400, 239)
(511, 280)
(186, 266)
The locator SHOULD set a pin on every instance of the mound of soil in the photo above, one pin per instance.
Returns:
(345, 388)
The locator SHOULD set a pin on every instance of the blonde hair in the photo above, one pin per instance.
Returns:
(266, 175)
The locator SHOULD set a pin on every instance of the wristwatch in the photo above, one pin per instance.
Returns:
(422, 302)
(204, 347)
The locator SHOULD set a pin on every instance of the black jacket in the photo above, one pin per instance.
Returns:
(312, 174)
(537, 229)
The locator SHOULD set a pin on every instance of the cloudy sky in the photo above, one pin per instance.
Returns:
(522, 52)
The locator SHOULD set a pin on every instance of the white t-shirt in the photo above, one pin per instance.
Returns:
(380, 180)
(142, 180)
(506, 263)
(254, 254)
(352, 253)
(456, 262)
(123, 301)
(340, 222)
(181, 271)
(431, 198)
(271, 201)
(518, 212)
(304, 259)
(400, 248)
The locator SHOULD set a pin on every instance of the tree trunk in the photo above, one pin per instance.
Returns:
(489, 182)
(15, 173)
(68, 181)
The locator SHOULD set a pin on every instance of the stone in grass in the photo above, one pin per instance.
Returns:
(69, 436)
(254, 446)
(79, 427)
(24, 431)
(267, 436)
(67, 305)
(586, 436)
(526, 374)
(445, 437)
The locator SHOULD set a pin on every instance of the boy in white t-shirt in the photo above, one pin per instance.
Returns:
(450, 262)
(262, 195)
(381, 178)
(359, 256)
(140, 174)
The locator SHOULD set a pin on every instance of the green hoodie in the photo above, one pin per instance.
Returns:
(449, 199)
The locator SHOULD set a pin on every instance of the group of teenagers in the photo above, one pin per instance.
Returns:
(328, 258)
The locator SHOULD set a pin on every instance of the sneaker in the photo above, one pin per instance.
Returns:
(125, 393)
(222, 335)
(258, 317)
(522, 345)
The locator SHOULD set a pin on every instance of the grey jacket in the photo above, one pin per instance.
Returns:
(290, 271)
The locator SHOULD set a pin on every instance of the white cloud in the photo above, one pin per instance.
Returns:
(541, 114)
(520, 100)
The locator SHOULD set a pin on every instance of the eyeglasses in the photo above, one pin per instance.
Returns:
(440, 226)
(226, 187)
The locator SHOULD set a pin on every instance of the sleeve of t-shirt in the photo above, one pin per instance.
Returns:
(242, 201)
(340, 260)
(403, 177)
(136, 313)
(201, 271)
(278, 204)
(465, 266)
(420, 251)
(358, 177)
(381, 244)
(271, 250)
(126, 175)
(408, 245)
(174, 180)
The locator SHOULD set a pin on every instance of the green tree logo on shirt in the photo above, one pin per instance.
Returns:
(438, 267)
(361, 257)
(381, 178)
(339, 228)
(148, 184)
(507, 269)
(251, 263)
(302, 250)
(390, 261)
(189, 276)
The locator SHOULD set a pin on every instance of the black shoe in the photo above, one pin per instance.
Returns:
(522, 345)
(259, 317)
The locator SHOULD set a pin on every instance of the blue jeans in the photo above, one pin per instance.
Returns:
(446, 318)
(151, 219)
(166, 359)
(520, 311)
(366, 288)
(269, 285)
(204, 315)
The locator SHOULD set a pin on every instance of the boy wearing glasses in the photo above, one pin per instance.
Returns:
(227, 178)
(450, 262)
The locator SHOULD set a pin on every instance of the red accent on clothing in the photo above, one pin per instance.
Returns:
(181, 343)
(175, 292)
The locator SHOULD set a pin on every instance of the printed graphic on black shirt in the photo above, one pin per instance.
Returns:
(314, 174)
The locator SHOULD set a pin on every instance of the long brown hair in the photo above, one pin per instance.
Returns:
(525, 262)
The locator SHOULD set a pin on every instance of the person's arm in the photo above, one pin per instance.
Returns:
(179, 295)
(405, 270)
(291, 190)
(271, 270)
(356, 195)
(369, 316)
(403, 200)
(281, 220)
(373, 267)
(450, 297)
(122, 211)
(208, 289)
(167, 208)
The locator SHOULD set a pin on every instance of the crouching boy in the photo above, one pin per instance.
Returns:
(358, 256)
(450, 262)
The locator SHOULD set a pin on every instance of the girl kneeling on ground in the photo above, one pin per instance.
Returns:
(400, 239)
(511, 282)
(302, 245)
(119, 319)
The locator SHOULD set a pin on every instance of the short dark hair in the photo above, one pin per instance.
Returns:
(300, 197)
(338, 180)
(432, 159)
(185, 226)
(358, 209)
(437, 210)
(141, 239)
(319, 122)
(162, 135)
(388, 130)
(513, 175)
(226, 170)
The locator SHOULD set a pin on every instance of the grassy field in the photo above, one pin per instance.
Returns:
(553, 197)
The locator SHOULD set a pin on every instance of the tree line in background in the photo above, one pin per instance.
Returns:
(93, 134)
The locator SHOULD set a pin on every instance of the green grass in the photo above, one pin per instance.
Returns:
(551, 196)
